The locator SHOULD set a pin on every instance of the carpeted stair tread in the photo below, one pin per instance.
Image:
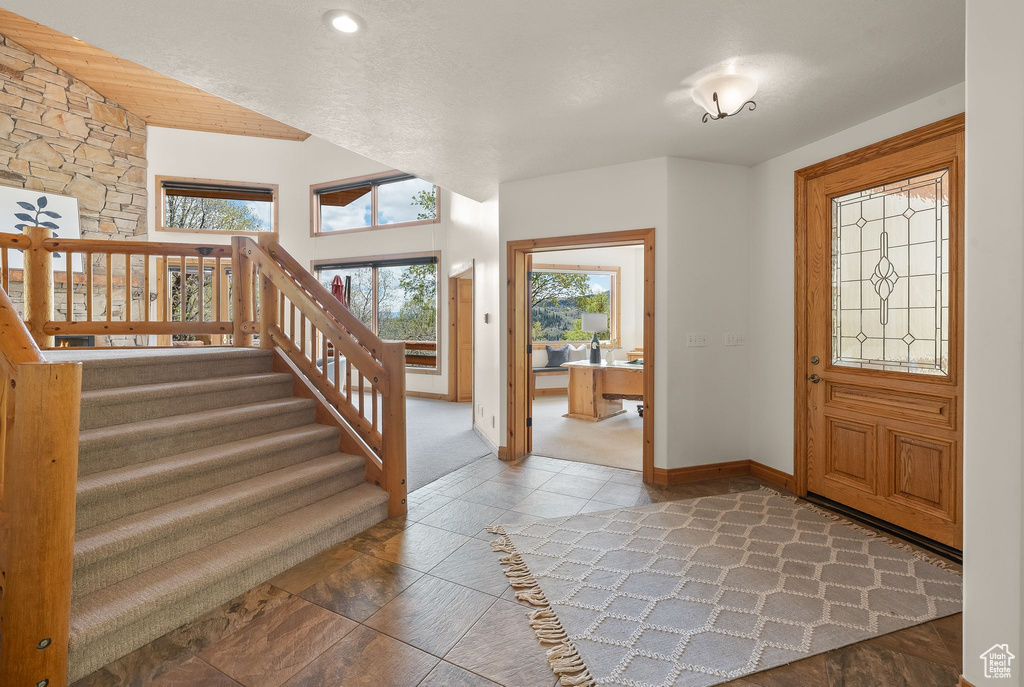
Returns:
(155, 590)
(104, 369)
(136, 442)
(137, 485)
(136, 530)
(123, 405)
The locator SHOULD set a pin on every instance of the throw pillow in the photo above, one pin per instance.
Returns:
(580, 352)
(557, 355)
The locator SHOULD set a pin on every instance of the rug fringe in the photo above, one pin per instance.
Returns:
(866, 531)
(563, 658)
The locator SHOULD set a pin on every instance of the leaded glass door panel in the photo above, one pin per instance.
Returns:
(882, 380)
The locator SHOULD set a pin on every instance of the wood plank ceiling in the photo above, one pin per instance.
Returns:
(158, 99)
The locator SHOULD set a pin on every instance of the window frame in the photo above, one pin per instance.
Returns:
(161, 205)
(369, 261)
(374, 181)
(614, 304)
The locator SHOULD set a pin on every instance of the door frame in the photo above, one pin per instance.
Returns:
(518, 382)
(454, 275)
(802, 177)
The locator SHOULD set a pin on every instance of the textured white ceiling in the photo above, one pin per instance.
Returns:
(470, 93)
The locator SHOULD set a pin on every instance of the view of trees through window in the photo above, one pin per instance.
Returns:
(405, 300)
(406, 199)
(559, 299)
(216, 206)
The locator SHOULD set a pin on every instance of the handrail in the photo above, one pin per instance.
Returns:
(38, 474)
(16, 345)
(361, 376)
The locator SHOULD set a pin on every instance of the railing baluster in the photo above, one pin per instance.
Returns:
(145, 288)
(69, 287)
(110, 285)
(4, 278)
(128, 296)
(202, 292)
(373, 408)
(183, 282)
(337, 367)
(362, 396)
(217, 316)
(88, 286)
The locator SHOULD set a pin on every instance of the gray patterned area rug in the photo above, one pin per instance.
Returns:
(703, 591)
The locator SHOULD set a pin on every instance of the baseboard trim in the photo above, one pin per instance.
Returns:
(734, 468)
(490, 444)
(551, 391)
(772, 476)
(427, 394)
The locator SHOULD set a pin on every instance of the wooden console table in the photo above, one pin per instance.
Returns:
(596, 390)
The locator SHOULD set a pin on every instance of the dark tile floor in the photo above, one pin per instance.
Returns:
(421, 601)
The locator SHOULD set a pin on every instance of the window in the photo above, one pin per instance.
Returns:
(396, 298)
(207, 206)
(560, 294)
(376, 201)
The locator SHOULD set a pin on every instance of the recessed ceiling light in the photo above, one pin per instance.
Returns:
(344, 21)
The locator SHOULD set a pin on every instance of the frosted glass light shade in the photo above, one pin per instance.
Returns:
(733, 90)
(595, 322)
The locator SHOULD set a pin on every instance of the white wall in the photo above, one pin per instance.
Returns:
(473, 240)
(994, 398)
(294, 166)
(696, 209)
(770, 341)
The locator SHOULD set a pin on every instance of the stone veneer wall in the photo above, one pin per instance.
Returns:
(59, 135)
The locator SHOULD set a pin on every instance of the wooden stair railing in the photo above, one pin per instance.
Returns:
(108, 289)
(360, 376)
(39, 409)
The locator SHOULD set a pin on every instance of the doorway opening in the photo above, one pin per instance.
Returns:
(560, 403)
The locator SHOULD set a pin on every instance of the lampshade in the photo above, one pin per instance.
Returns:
(595, 322)
(733, 90)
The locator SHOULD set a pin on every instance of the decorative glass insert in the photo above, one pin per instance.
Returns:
(890, 276)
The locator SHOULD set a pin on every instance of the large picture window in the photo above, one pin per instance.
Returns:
(376, 201)
(222, 207)
(560, 294)
(396, 298)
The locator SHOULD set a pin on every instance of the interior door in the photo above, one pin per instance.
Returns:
(884, 304)
(464, 339)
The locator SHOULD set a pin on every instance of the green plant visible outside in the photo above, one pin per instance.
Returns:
(558, 300)
(186, 212)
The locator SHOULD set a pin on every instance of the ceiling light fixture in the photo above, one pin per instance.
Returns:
(725, 95)
(344, 21)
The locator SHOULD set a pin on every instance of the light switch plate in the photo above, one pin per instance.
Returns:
(698, 339)
(734, 339)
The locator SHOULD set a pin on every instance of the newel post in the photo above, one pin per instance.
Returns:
(241, 292)
(40, 474)
(393, 430)
(38, 285)
(268, 296)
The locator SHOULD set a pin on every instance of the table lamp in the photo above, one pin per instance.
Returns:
(595, 322)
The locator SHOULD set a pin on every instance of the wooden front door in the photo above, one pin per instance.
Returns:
(882, 375)
(464, 336)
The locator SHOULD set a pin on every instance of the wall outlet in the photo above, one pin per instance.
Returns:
(734, 339)
(699, 339)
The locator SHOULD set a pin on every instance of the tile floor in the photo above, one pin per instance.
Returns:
(421, 601)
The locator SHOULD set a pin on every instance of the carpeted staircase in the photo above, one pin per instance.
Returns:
(200, 476)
